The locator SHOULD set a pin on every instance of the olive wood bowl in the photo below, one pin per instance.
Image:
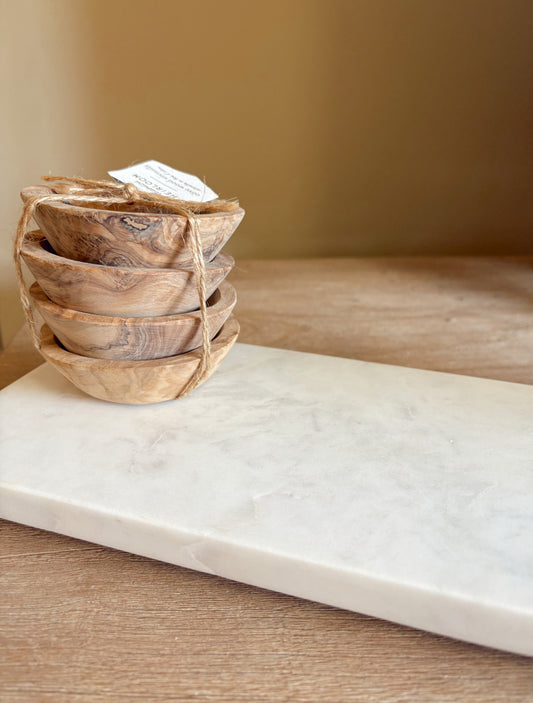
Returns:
(128, 234)
(133, 338)
(134, 382)
(116, 290)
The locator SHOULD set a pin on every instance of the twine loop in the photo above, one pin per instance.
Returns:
(84, 190)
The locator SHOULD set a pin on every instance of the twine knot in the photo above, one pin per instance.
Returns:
(131, 192)
(107, 193)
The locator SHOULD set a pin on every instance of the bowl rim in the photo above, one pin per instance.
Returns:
(51, 348)
(227, 298)
(33, 248)
(80, 209)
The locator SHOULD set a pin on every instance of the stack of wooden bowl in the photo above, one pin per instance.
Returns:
(118, 293)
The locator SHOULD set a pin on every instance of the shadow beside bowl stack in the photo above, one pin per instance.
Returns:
(117, 289)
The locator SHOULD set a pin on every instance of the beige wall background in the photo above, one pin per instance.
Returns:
(345, 127)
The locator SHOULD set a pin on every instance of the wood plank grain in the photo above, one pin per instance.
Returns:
(465, 315)
(84, 623)
(18, 358)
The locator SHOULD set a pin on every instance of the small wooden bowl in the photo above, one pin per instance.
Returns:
(129, 234)
(134, 382)
(118, 291)
(133, 338)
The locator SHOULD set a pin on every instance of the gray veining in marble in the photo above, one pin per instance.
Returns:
(400, 493)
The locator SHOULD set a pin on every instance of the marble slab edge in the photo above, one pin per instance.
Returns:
(440, 613)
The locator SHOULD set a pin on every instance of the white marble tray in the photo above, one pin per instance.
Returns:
(399, 493)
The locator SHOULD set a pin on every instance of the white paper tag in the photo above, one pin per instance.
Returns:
(155, 177)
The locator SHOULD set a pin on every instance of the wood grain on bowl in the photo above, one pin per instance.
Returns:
(129, 234)
(118, 291)
(134, 382)
(133, 338)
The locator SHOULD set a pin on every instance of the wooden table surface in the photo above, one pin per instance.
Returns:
(81, 622)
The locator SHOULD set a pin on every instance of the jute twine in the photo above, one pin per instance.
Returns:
(83, 190)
